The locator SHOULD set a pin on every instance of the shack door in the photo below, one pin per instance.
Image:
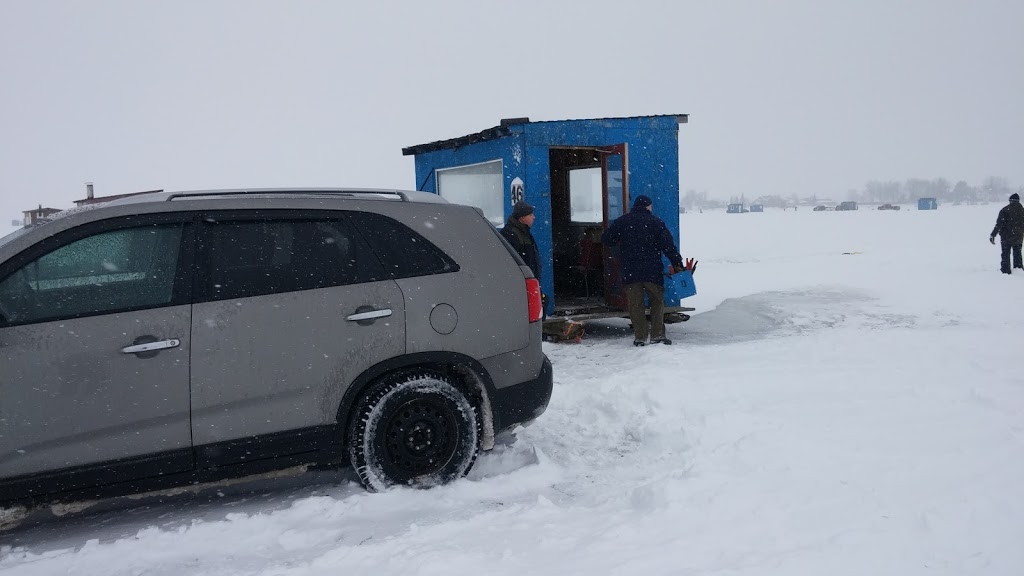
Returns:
(615, 192)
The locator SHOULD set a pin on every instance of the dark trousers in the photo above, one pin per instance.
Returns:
(638, 314)
(1008, 247)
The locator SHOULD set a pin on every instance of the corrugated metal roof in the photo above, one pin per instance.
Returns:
(503, 130)
(681, 118)
(489, 134)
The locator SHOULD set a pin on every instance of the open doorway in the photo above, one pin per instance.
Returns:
(589, 189)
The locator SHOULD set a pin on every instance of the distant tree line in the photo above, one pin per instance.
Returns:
(992, 189)
(693, 200)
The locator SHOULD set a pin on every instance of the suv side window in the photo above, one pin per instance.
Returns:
(403, 252)
(247, 257)
(110, 271)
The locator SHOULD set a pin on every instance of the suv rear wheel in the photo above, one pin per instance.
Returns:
(415, 430)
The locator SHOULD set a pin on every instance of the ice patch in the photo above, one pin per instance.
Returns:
(649, 497)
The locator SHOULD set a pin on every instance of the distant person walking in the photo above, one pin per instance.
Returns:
(1010, 228)
(643, 238)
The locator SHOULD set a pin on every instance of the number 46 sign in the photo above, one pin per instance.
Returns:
(516, 190)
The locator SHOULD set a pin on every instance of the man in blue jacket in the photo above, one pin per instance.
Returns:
(643, 238)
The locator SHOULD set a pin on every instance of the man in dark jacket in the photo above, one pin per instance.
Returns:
(1010, 228)
(517, 232)
(643, 238)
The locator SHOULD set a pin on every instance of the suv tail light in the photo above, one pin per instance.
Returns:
(533, 301)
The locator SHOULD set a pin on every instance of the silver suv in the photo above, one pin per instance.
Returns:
(180, 338)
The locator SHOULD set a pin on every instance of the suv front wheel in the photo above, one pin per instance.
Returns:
(415, 430)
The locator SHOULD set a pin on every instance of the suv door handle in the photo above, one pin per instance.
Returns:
(152, 346)
(369, 315)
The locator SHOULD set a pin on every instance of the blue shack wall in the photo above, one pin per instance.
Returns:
(511, 150)
(653, 146)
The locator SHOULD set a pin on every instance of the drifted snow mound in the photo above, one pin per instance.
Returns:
(790, 313)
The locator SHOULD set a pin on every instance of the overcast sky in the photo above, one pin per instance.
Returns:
(805, 97)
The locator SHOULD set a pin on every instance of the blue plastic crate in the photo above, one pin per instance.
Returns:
(680, 285)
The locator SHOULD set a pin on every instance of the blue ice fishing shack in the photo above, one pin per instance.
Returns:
(579, 175)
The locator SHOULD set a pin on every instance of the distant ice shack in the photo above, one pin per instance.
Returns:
(579, 175)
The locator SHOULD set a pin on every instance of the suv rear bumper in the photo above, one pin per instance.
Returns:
(521, 403)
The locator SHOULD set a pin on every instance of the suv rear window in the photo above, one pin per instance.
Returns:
(403, 252)
(247, 258)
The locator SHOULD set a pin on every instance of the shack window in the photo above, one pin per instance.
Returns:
(477, 185)
(585, 204)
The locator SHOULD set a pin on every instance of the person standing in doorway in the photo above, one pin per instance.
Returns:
(1010, 229)
(517, 232)
(643, 238)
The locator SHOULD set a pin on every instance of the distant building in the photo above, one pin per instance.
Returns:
(33, 216)
(90, 198)
(757, 207)
(927, 204)
(736, 209)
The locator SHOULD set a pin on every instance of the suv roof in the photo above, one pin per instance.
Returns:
(249, 198)
(360, 193)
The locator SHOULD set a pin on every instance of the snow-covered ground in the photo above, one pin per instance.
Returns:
(848, 400)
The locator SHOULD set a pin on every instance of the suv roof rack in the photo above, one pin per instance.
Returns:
(290, 191)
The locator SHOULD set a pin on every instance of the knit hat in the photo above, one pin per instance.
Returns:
(642, 202)
(521, 209)
(1014, 197)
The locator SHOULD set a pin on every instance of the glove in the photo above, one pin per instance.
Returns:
(690, 265)
(992, 239)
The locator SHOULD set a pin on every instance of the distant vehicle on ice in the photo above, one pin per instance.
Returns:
(888, 207)
(848, 205)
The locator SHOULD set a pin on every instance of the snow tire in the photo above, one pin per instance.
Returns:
(413, 429)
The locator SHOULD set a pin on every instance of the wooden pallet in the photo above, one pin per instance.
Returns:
(572, 328)
(563, 330)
